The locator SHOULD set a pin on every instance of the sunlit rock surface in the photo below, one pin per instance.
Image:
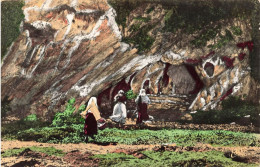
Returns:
(74, 48)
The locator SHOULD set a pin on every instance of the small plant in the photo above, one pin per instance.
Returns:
(236, 30)
(31, 117)
(130, 95)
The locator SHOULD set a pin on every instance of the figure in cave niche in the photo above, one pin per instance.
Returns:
(146, 86)
(119, 111)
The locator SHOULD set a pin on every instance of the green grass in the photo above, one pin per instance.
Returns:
(74, 134)
(9, 131)
(11, 17)
(180, 137)
(46, 150)
(65, 134)
(167, 158)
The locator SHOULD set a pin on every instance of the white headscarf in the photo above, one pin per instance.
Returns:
(90, 101)
(142, 92)
(121, 92)
(145, 98)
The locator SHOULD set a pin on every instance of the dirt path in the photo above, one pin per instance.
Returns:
(82, 147)
(78, 154)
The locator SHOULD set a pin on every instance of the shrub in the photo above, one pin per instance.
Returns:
(31, 117)
(67, 117)
(130, 95)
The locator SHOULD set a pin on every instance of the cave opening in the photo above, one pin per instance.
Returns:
(165, 84)
(184, 79)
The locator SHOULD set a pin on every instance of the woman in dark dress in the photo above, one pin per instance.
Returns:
(142, 100)
(91, 115)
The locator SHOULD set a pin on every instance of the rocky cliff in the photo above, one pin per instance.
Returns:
(79, 49)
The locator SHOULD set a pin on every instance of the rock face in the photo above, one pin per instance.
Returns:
(75, 49)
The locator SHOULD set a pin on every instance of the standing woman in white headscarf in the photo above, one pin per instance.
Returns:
(91, 115)
(142, 100)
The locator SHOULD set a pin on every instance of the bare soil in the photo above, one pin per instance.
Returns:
(80, 154)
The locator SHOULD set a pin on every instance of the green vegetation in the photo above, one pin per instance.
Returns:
(122, 11)
(5, 107)
(180, 137)
(130, 94)
(223, 40)
(64, 131)
(46, 150)
(67, 117)
(169, 158)
(203, 19)
(135, 27)
(66, 127)
(236, 30)
(143, 19)
(201, 40)
(255, 54)
(73, 134)
(65, 134)
(150, 10)
(11, 17)
(9, 131)
(31, 117)
(141, 40)
(233, 109)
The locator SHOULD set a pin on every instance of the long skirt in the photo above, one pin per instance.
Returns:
(142, 113)
(90, 127)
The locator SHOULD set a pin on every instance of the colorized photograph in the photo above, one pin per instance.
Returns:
(130, 83)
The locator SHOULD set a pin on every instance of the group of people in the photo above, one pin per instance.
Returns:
(93, 120)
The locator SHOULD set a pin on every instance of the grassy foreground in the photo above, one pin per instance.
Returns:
(167, 158)
(73, 134)
(46, 150)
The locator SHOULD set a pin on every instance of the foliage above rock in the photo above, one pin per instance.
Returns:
(11, 17)
(203, 19)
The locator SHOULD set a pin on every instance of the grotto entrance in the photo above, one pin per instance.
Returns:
(171, 89)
